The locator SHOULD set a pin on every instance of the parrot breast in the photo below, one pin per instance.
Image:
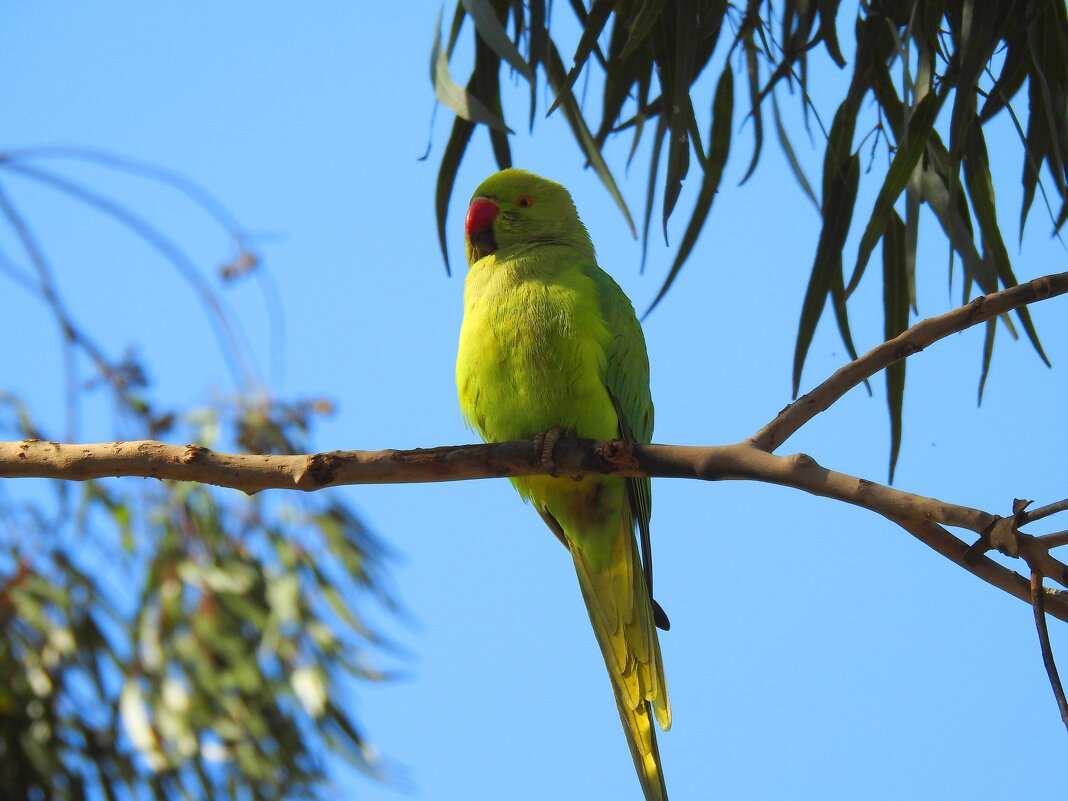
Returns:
(532, 350)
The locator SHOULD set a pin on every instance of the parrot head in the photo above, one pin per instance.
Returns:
(515, 207)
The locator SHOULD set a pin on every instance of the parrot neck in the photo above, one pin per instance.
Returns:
(547, 253)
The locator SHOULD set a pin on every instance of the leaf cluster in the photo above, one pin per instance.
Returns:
(960, 62)
(169, 640)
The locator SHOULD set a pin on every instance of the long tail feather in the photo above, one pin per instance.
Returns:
(621, 613)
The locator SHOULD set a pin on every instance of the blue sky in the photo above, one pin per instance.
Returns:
(816, 650)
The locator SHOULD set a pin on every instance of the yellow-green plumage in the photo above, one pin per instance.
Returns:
(549, 340)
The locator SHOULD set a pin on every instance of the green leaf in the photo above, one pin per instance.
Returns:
(981, 190)
(828, 32)
(895, 321)
(912, 238)
(650, 192)
(974, 38)
(841, 313)
(1047, 125)
(753, 73)
(988, 353)
(1036, 148)
(642, 23)
(720, 144)
(458, 17)
(450, 165)
(573, 114)
(918, 132)
(679, 61)
(492, 32)
(791, 156)
(1009, 81)
(502, 151)
(596, 20)
(486, 80)
(536, 36)
(952, 215)
(462, 102)
(838, 202)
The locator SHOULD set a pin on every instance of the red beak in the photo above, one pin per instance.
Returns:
(480, 217)
(479, 228)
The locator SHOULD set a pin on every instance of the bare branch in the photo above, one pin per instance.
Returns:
(1038, 604)
(923, 517)
(1045, 511)
(915, 339)
(1054, 540)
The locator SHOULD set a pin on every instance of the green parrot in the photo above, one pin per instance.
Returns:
(550, 343)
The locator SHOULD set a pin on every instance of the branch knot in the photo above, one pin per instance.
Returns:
(192, 453)
(620, 454)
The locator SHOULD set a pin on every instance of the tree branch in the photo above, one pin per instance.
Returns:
(753, 460)
(1038, 603)
(923, 517)
(1045, 511)
(913, 340)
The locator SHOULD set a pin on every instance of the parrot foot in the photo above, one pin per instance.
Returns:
(544, 445)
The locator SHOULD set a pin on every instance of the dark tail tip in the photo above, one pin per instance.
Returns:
(660, 617)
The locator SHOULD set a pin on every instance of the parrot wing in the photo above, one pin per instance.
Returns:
(627, 382)
(617, 594)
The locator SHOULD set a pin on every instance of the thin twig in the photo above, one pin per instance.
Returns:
(18, 276)
(913, 340)
(235, 344)
(200, 196)
(48, 291)
(71, 334)
(1044, 511)
(1039, 605)
(1054, 540)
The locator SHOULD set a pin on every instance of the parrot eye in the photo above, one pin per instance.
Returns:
(524, 201)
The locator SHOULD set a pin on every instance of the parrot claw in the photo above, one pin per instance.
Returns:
(544, 445)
